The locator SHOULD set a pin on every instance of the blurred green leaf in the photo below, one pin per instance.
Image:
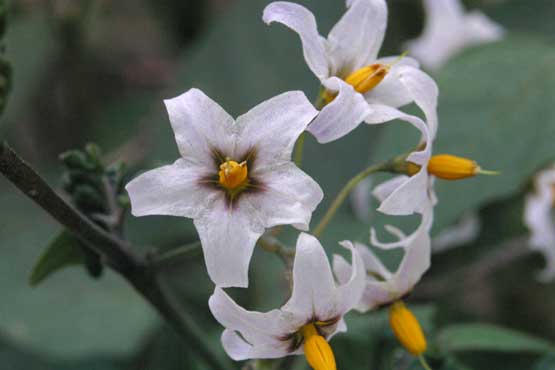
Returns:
(63, 251)
(487, 337)
(495, 107)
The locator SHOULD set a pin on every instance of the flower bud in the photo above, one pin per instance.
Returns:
(406, 328)
(317, 350)
(450, 167)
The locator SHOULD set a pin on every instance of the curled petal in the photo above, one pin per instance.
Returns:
(302, 21)
(342, 115)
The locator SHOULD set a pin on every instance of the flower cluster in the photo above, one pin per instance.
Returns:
(236, 180)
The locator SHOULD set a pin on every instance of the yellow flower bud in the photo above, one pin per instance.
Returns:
(450, 167)
(406, 328)
(317, 350)
(233, 174)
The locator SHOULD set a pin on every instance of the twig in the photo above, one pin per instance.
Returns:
(118, 253)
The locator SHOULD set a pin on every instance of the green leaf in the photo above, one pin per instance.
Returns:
(63, 251)
(487, 337)
(494, 107)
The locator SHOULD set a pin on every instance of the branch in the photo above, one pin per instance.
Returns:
(118, 253)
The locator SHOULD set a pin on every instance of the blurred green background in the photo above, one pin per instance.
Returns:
(97, 71)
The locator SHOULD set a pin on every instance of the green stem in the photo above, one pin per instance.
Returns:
(273, 245)
(184, 251)
(340, 198)
(299, 146)
(424, 363)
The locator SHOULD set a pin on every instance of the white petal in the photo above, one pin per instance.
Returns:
(262, 331)
(289, 197)
(348, 294)
(391, 91)
(414, 264)
(173, 190)
(435, 46)
(360, 200)
(382, 191)
(313, 284)
(272, 127)
(356, 39)
(424, 91)
(200, 125)
(228, 235)
(342, 115)
(302, 21)
(539, 220)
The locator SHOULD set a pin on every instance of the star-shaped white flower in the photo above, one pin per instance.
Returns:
(317, 306)
(449, 30)
(347, 64)
(539, 218)
(383, 286)
(235, 177)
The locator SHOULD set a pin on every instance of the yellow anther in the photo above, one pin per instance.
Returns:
(317, 350)
(233, 174)
(406, 328)
(450, 167)
(366, 78)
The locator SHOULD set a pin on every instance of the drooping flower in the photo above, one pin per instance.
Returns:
(356, 83)
(311, 317)
(382, 285)
(235, 177)
(449, 30)
(539, 218)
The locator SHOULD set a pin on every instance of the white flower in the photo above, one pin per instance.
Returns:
(463, 232)
(449, 30)
(382, 285)
(538, 217)
(347, 65)
(316, 303)
(235, 178)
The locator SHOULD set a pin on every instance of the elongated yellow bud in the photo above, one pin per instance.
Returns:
(317, 350)
(406, 328)
(232, 174)
(450, 167)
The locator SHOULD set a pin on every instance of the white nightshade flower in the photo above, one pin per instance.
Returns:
(382, 285)
(539, 218)
(448, 30)
(235, 177)
(315, 309)
(358, 84)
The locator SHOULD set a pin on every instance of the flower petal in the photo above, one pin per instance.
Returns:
(342, 115)
(313, 284)
(349, 293)
(356, 39)
(302, 21)
(289, 197)
(272, 127)
(200, 125)
(391, 91)
(173, 190)
(538, 218)
(424, 91)
(261, 331)
(228, 234)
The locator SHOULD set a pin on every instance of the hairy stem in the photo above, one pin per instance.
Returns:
(117, 253)
(340, 198)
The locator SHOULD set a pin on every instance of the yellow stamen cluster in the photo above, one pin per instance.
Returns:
(406, 328)
(317, 350)
(232, 174)
(363, 79)
(450, 167)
